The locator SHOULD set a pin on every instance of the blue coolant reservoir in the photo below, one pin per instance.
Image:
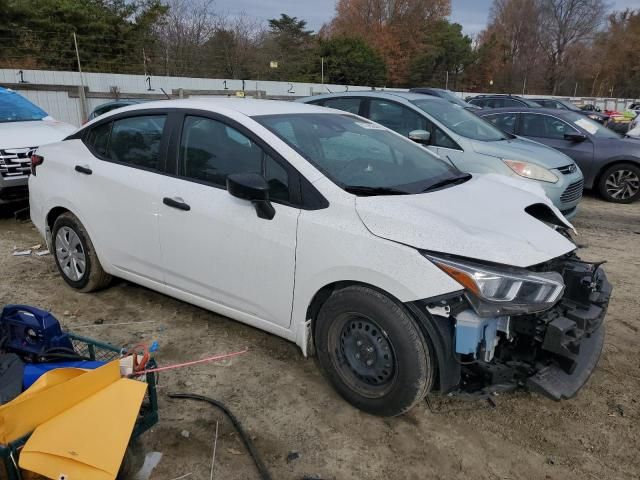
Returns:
(476, 335)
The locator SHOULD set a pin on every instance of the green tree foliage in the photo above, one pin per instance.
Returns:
(292, 46)
(444, 49)
(350, 61)
(111, 32)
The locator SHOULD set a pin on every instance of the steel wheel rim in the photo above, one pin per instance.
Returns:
(70, 254)
(622, 184)
(364, 355)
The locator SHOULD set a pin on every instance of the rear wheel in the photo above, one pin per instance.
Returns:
(620, 183)
(75, 256)
(372, 351)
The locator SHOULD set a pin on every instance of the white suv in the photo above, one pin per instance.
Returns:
(23, 127)
(400, 272)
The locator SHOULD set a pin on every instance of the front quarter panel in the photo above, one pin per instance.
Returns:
(335, 246)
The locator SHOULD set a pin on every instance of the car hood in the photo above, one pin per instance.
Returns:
(33, 134)
(483, 218)
(523, 149)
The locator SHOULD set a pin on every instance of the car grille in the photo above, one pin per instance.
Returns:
(568, 169)
(573, 192)
(15, 162)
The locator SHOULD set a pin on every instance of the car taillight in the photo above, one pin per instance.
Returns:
(35, 161)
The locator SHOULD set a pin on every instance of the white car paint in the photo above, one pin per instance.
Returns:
(33, 133)
(222, 257)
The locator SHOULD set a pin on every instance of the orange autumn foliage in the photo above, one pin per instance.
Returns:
(395, 28)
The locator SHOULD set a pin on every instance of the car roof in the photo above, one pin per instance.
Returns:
(245, 106)
(549, 111)
(389, 95)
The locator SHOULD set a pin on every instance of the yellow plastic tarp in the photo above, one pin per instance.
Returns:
(88, 440)
(55, 392)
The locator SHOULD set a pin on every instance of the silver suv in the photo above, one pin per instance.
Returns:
(471, 143)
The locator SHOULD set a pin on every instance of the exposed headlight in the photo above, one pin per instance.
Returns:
(500, 290)
(594, 117)
(531, 170)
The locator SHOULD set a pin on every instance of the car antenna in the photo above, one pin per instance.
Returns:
(166, 94)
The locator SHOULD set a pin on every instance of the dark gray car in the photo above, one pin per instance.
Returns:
(610, 162)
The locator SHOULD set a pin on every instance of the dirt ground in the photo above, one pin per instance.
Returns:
(286, 405)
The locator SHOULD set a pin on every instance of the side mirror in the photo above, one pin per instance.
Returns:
(252, 187)
(575, 137)
(420, 136)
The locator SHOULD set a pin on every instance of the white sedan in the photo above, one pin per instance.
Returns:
(400, 272)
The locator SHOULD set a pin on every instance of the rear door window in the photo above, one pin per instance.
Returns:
(136, 141)
(505, 122)
(396, 117)
(351, 105)
(509, 102)
(545, 126)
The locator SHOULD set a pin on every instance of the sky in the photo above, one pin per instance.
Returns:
(471, 14)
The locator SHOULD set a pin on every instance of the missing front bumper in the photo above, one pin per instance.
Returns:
(555, 352)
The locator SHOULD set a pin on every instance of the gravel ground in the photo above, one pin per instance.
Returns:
(287, 406)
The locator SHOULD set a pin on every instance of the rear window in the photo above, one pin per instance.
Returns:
(15, 108)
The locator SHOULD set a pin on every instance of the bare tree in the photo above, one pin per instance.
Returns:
(188, 26)
(565, 24)
(233, 48)
(517, 24)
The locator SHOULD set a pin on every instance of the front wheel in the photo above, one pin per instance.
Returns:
(372, 351)
(75, 256)
(620, 183)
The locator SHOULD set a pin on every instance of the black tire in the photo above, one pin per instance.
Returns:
(372, 351)
(620, 183)
(93, 276)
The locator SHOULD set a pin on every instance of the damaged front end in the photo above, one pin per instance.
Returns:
(539, 328)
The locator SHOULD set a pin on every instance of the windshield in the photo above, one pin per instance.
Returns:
(590, 126)
(461, 121)
(14, 108)
(358, 155)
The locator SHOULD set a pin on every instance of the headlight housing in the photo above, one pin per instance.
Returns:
(502, 290)
(594, 117)
(531, 170)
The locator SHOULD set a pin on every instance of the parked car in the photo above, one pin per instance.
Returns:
(107, 107)
(499, 101)
(463, 138)
(634, 128)
(610, 163)
(567, 105)
(445, 94)
(400, 272)
(23, 127)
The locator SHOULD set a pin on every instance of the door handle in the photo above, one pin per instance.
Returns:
(176, 203)
(85, 170)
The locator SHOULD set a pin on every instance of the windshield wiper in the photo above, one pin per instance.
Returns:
(363, 190)
(448, 181)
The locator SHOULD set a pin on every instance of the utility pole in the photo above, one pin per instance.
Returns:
(575, 90)
(322, 72)
(81, 95)
(524, 85)
(144, 62)
(446, 84)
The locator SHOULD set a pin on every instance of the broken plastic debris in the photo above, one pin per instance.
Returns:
(22, 253)
(36, 247)
(42, 252)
